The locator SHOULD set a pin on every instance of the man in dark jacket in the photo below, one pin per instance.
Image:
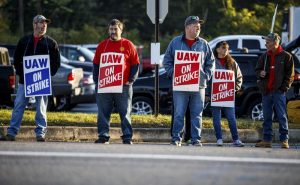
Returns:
(275, 73)
(34, 44)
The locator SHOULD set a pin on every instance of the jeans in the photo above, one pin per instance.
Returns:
(195, 100)
(105, 103)
(19, 107)
(230, 115)
(278, 101)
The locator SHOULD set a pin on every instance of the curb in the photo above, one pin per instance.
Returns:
(62, 133)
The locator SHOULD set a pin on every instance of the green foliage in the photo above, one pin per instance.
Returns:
(85, 21)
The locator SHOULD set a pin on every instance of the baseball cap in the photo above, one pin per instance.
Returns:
(41, 18)
(192, 19)
(272, 36)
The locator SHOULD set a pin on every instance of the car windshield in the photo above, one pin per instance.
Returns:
(64, 59)
(88, 53)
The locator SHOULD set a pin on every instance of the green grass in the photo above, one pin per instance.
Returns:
(89, 120)
(138, 121)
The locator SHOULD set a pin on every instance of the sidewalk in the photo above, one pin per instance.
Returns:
(142, 134)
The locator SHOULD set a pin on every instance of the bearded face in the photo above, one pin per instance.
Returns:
(40, 28)
(114, 32)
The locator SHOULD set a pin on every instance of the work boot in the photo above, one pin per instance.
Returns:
(264, 144)
(285, 144)
(7, 138)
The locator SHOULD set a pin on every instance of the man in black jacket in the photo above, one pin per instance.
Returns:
(275, 73)
(34, 44)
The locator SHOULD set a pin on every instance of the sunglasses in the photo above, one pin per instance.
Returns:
(194, 17)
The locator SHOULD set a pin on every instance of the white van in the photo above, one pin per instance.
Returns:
(239, 42)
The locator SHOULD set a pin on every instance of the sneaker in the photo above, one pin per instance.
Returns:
(197, 143)
(102, 141)
(219, 142)
(176, 143)
(285, 144)
(127, 142)
(264, 144)
(40, 139)
(7, 138)
(238, 143)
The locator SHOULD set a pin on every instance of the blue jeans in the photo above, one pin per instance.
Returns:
(230, 115)
(278, 101)
(19, 107)
(105, 103)
(181, 100)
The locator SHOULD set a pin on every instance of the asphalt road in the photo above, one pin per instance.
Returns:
(117, 164)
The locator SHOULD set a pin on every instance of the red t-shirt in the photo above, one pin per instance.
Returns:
(123, 46)
(35, 41)
(190, 42)
(222, 61)
(271, 56)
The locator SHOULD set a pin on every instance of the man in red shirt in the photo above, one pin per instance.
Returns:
(275, 73)
(116, 65)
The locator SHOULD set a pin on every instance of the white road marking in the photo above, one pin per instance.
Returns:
(151, 156)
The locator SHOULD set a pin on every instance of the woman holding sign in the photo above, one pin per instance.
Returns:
(226, 81)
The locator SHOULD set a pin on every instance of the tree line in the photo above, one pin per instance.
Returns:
(85, 21)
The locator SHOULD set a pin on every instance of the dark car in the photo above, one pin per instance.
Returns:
(76, 52)
(248, 100)
(143, 94)
(7, 78)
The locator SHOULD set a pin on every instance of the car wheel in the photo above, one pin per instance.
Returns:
(142, 106)
(255, 110)
(60, 103)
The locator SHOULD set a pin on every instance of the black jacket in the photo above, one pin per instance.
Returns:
(284, 72)
(44, 46)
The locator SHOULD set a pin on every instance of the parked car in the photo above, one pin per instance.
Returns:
(239, 42)
(87, 92)
(248, 100)
(7, 78)
(66, 89)
(86, 85)
(85, 65)
(76, 52)
(91, 47)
